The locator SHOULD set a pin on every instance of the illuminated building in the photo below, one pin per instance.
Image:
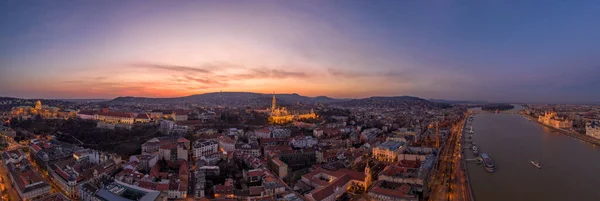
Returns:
(38, 109)
(282, 115)
(38, 105)
(552, 119)
(107, 116)
(388, 151)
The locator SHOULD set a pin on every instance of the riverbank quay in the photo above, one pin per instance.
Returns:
(463, 161)
(574, 134)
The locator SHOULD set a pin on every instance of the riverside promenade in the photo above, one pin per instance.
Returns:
(463, 162)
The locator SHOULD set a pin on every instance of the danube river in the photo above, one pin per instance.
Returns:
(570, 167)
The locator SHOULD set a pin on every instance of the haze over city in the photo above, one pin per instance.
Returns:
(535, 51)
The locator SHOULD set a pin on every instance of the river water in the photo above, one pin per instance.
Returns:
(570, 167)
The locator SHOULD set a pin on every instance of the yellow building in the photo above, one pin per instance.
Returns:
(38, 109)
(551, 118)
(388, 151)
(282, 116)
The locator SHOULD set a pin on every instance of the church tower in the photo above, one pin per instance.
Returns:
(368, 178)
(273, 102)
(38, 105)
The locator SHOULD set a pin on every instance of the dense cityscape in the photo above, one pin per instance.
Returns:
(306, 100)
(392, 148)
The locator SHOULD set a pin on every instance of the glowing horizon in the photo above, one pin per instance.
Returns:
(347, 49)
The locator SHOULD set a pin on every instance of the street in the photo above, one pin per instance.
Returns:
(7, 190)
(449, 180)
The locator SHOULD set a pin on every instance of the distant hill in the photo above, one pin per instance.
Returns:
(393, 101)
(459, 101)
(7, 103)
(241, 99)
(228, 99)
(83, 100)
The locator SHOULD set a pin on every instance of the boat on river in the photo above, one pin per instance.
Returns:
(536, 164)
(488, 164)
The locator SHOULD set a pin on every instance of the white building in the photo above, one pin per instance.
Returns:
(250, 149)
(166, 126)
(180, 116)
(227, 144)
(593, 129)
(235, 131)
(145, 162)
(90, 155)
(318, 132)
(205, 147)
(281, 133)
(169, 127)
(115, 117)
(304, 142)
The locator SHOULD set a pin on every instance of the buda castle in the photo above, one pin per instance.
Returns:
(38, 109)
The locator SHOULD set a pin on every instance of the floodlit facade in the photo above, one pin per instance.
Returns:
(388, 151)
(552, 119)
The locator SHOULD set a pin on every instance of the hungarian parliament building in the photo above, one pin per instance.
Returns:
(551, 118)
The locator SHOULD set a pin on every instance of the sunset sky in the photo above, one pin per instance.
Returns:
(468, 50)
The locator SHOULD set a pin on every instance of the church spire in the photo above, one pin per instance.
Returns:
(273, 103)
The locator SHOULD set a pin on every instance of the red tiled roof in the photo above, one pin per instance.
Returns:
(182, 140)
(183, 167)
(256, 190)
(278, 148)
(255, 173)
(409, 164)
(343, 176)
(168, 146)
(117, 114)
(322, 193)
(264, 130)
(400, 191)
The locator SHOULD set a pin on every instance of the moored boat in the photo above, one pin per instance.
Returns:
(488, 164)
